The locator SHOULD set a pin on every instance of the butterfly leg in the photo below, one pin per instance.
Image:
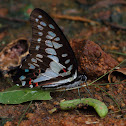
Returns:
(87, 89)
(79, 93)
(63, 93)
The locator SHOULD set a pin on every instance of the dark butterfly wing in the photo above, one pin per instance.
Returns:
(51, 58)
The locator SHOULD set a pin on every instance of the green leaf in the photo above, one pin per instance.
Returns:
(17, 95)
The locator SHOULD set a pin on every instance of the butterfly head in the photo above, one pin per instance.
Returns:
(83, 77)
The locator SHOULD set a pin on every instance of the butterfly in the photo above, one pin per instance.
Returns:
(51, 63)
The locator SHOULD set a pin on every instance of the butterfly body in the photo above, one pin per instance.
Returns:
(51, 62)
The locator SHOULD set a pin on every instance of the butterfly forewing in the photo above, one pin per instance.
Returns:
(51, 58)
(47, 35)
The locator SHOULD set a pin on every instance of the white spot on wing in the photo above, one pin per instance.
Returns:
(40, 33)
(70, 67)
(40, 27)
(22, 77)
(23, 83)
(64, 55)
(55, 58)
(40, 78)
(49, 37)
(36, 19)
(57, 39)
(43, 23)
(40, 16)
(31, 66)
(50, 73)
(67, 61)
(34, 60)
(31, 86)
(48, 43)
(51, 26)
(65, 73)
(20, 66)
(37, 47)
(39, 39)
(39, 60)
(46, 76)
(52, 34)
(39, 56)
(57, 45)
(50, 51)
(36, 64)
(75, 74)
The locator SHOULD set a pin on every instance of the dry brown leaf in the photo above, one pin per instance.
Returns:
(112, 77)
(122, 70)
(13, 54)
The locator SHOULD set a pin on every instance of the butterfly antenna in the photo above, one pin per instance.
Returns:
(62, 93)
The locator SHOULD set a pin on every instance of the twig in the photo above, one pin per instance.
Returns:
(118, 53)
(104, 84)
(13, 19)
(24, 113)
(106, 73)
(106, 3)
(114, 26)
(116, 111)
(75, 18)
(110, 97)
